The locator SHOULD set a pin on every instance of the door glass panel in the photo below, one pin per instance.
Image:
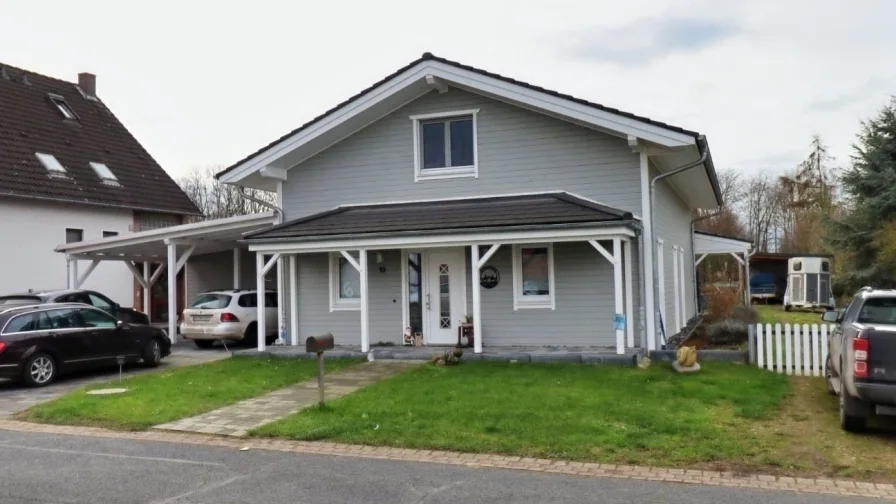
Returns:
(96, 318)
(415, 308)
(444, 298)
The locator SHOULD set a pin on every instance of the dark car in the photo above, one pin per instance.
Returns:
(38, 342)
(861, 366)
(89, 297)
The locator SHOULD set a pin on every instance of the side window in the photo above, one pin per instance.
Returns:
(99, 301)
(22, 323)
(248, 301)
(63, 319)
(825, 266)
(798, 266)
(270, 300)
(96, 318)
(852, 310)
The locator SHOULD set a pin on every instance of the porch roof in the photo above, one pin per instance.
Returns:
(526, 211)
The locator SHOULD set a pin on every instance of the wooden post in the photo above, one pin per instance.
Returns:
(617, 287)
(320, 377)
(477, 304)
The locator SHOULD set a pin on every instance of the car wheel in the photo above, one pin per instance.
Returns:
(829, 377)
(849, 421)
(251, 337)
(202, 343)
(152, 354)
(40, 370)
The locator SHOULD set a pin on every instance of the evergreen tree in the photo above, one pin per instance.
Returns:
(864, 231)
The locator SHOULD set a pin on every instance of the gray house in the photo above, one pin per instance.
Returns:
(445, 192)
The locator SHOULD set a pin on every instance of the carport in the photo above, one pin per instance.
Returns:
(706, 244)
(171, 248)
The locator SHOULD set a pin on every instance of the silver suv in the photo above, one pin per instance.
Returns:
(229, 315)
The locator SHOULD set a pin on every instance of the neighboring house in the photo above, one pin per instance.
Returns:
(445, 190)
(71, 172)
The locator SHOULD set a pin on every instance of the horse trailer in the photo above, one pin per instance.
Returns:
(808, 283)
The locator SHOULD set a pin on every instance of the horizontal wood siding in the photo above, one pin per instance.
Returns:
(519, 151)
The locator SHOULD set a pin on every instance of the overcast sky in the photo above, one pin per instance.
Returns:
(205, 83)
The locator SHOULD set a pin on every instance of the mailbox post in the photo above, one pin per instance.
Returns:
(319, 344)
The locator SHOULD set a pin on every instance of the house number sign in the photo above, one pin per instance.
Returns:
(489, 277)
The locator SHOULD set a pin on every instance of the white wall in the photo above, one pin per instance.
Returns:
(30, 232)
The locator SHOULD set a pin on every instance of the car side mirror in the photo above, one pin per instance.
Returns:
(831, 316)
(120, 324)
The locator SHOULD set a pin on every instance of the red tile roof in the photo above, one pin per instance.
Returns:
(30, 122)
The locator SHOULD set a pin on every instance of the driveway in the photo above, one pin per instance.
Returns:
(43, 468)
(14, 397)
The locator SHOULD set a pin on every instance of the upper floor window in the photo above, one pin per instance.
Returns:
(445, 145)
(63, 106)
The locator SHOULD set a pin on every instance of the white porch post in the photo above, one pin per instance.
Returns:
(661, 285)
(259, 286)
(236, 267)
(649, 249)
(477, 305)
(617, 288)
(281, 295)
(629, 294)
(147, 289)
(748, 296)
(294, 299)
(683, 288)
(365, 312)
(676, 288)
(172, 292)
(72, 273)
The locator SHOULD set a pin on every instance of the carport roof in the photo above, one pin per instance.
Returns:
(711, 243)
(206, 236)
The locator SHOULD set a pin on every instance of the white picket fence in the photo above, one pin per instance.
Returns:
(796, 349)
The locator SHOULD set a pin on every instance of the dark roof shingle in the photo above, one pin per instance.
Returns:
(30, 123)
(459, 215)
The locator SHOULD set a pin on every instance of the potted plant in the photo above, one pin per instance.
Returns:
(467, 320)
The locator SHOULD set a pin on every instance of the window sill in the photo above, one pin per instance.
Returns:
(346, 306)
(547, 304)
(446, 173)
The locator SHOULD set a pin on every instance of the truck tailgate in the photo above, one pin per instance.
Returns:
(882, 354)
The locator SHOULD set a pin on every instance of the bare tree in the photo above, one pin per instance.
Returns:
(217, 200)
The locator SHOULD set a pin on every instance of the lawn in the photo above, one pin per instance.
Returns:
(599, 413)
(166, 396)
(775, 314)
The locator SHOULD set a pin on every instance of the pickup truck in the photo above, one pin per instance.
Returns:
(861, 363)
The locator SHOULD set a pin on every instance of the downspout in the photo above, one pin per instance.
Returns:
(280, 284)
(703, 157)
(693, 222)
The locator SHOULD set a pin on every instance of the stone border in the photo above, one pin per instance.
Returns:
(716, 478)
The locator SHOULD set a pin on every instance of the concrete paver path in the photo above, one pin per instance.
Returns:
(238, 419)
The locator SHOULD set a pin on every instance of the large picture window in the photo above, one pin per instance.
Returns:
(445, 145)
(345, 283)
(533, 276)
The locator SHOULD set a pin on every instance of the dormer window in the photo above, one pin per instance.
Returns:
(53, 166)
(445, 145)
(103, 172)
(63, 107)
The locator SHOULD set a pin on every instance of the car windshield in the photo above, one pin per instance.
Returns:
(878, 311)
(211, 301)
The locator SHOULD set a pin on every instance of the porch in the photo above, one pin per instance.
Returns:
(577, 355)
(548, 269)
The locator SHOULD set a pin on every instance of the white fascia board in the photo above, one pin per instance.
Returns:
(706, 244)
(189, 231)
(270, 172)
(443, 240)
(531, 98)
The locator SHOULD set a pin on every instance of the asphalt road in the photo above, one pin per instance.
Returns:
(68, 469)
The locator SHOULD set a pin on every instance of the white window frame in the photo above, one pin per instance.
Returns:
(448, 172)
(521, 302)
(50, 163)
(63, 106)
(338, 303)
(99, 167)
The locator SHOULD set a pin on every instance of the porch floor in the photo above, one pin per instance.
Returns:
(582, 355)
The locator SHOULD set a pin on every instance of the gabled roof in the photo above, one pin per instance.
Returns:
(407, 81)
(456, 215)
(30, 123)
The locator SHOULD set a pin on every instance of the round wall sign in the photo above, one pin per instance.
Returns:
(489, 277)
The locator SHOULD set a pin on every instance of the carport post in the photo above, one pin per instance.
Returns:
(72, 272)
(236, 267)
(261, 325)
(365, 302)
(147, 288)
(294, 299)
(172, 292)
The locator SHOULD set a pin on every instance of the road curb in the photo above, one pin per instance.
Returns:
(716, 478)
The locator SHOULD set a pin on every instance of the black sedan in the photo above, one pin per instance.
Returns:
(88, 297)
(38, 342)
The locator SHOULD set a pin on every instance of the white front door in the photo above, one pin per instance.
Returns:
(446, 295)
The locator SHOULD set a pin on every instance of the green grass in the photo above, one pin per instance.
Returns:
(170, 395)
(775, 314)
(601, 413)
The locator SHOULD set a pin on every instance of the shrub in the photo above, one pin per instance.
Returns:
(720, 303)
(730, 331)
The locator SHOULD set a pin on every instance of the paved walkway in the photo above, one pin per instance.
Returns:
(808, 485)
(237, 419)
